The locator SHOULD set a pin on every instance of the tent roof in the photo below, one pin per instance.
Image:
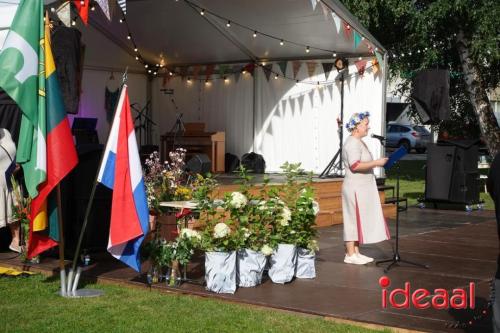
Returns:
(176, 31)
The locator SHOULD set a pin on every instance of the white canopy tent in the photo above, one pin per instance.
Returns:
(284, 120)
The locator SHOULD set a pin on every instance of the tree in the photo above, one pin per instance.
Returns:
(459, 35)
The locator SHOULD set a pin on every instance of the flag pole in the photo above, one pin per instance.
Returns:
(72, 285)
(62, 269)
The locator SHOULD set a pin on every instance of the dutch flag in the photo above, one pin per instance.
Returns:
(121, 171)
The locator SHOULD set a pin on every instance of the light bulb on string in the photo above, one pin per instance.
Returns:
(155, 73)
(129, 36)
(307, 49)
(92, 8)
(254, 34)
(73, 22)
(146, 66)
(189, 80)
(122, 20)
(136, 49)
(334, 55)
(282, 42)
(228, 24)
(149, 71)
(171, 73)
(82, 2)
(157, 65)
(136, 58)
(226, 80)
(202, 12)
(275, 76)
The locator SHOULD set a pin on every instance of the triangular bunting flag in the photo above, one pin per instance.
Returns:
(209, 70)
(166, 78)
(347, 30)
(283, 65)
(327, 68)
(183, 71)
(237, 72)
(196, 71)
(325, 10)
(123, 6)
(104, 4)
(222, 70)
(249, 68)
(267, 70)
(311, 68)
(314, 3)
(357, 39)
(375, 65)
(380, 60)
(64, 13)
(338, 24)
(296, 67)
(83, 10)
(360, 66)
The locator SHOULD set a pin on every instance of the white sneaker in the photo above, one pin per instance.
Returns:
(354, 259)
(365, 258)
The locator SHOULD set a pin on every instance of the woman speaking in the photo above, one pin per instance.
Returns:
(364, 222)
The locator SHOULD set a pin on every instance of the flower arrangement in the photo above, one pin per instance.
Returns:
(21, 208)
(355, 119)
(167, 181)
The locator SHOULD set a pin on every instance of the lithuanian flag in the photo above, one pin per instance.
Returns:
(61, 159)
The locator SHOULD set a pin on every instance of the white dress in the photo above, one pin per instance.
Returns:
(7, 155)
(364, 220)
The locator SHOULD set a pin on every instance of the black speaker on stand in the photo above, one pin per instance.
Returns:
(452, 173)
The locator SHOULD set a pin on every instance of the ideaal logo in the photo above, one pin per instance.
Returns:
(423, 298)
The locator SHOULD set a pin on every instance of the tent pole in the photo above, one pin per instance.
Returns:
(62, 269)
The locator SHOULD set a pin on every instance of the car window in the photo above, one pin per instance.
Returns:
(391, 128)
(404, 129)
(421, 129)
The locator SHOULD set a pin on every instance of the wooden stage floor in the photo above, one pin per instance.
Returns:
(459, 247)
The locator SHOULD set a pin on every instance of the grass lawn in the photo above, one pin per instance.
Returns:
(412, 183)
(31, 305)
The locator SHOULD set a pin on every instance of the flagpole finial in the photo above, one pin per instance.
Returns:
(125, 75)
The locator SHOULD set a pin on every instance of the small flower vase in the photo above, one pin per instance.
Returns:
(306, 268)
(220, 272)
(250, 267)
(174, 274)
(283, 262)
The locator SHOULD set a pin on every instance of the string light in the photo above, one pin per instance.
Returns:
(122, 20)
(282, 42)
(149, 71)
(146, 66)
(136, 57)
(73, 22)
(92, 8)
(171, 73)
(129, 36)
(228, 24)
(307, 49)
(335, 55)
(202, 12)
(135, 48)
(189, 80)
(254, 34)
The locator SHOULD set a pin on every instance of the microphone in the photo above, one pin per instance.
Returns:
(378, 137)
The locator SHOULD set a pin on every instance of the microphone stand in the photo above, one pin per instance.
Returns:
(178, 127)
(396, 257)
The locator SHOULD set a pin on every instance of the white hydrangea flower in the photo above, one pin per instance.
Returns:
(221, 230)
(190, 233)
(266, 250)
(246, 232)
(315, 207)
(262, 205)
(285, 216)
(238, 200)
(292, 232)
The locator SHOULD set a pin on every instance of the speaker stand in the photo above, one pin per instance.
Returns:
(396, 258)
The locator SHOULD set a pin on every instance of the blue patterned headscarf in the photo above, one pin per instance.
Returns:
(355, 119)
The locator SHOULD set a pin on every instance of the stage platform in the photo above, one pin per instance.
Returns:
(459, 247)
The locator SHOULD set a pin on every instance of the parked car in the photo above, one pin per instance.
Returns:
(408, 136)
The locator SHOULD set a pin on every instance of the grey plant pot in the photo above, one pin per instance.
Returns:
(306, 267)
(220, 272)
(283, 262)
(250, 267)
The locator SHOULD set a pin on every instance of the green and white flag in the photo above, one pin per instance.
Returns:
(22, 76)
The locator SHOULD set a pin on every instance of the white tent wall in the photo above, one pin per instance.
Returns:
(222, 106)
(293, 122)
(297, 122)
